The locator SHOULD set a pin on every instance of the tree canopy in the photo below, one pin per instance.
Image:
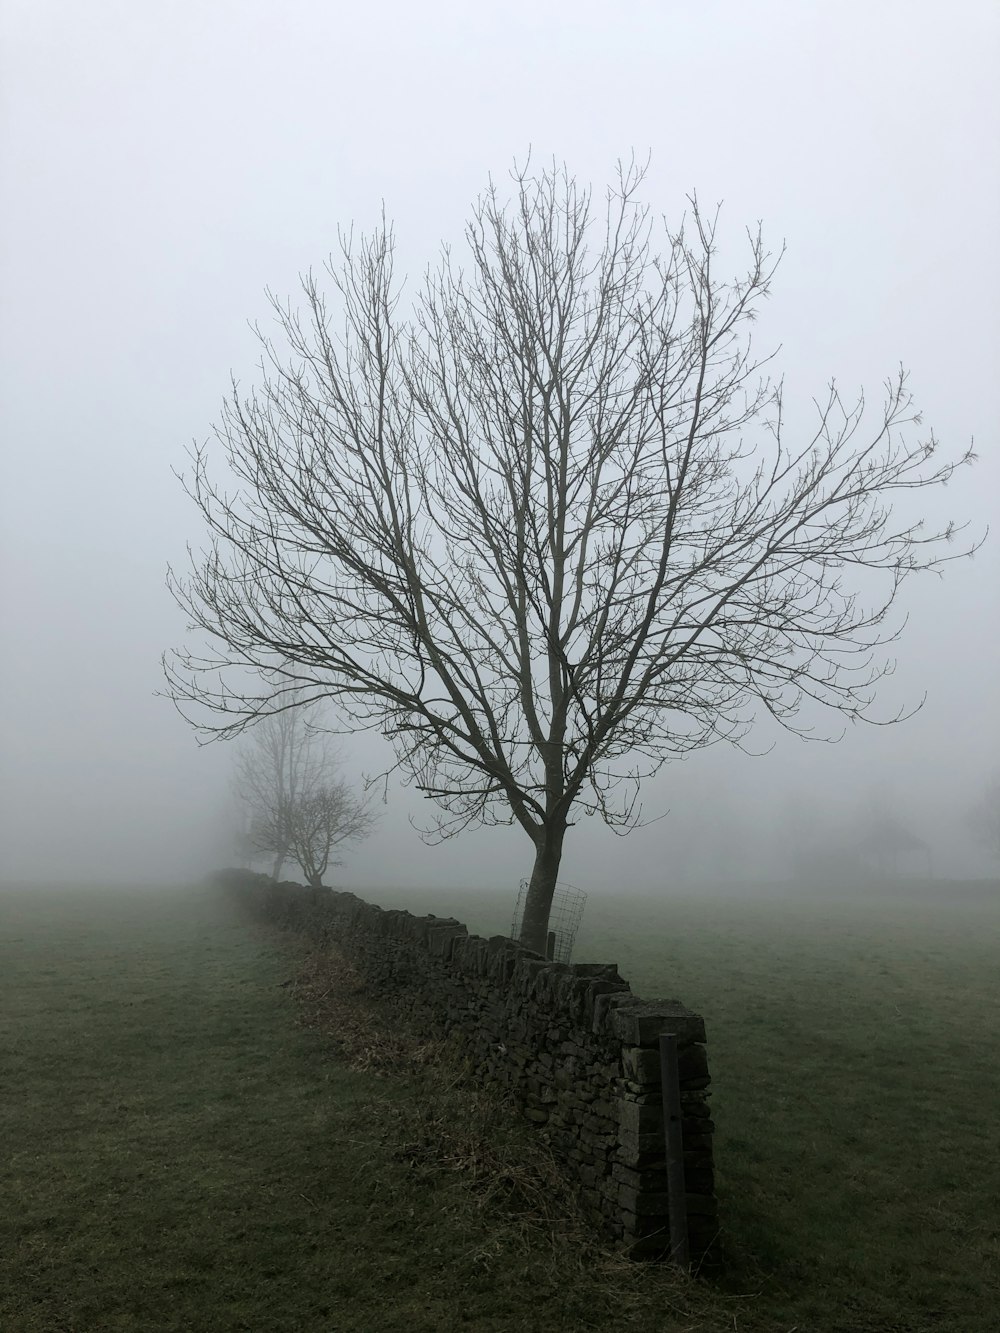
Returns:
(545, 528)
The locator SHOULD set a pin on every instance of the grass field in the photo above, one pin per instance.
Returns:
(855, 1055)
(181, 1154)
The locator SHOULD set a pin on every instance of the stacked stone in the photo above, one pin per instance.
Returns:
(570, 1041)
(640, 1160)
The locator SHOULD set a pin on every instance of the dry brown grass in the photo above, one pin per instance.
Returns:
(450, 1123)
(331, 999)
(449, 1126)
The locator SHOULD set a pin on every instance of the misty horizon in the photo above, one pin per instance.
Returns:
(158, 185)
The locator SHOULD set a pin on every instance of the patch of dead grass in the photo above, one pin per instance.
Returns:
(449, 1126)
(331, 999)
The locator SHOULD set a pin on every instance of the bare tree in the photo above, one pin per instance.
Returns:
(294, 808)
(324, 821)
(549, 531)
(282, 762)
(983, 819)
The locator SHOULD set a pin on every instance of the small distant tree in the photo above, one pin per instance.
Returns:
(323, 822)
(549, 530)
(281, 760)
(293, 807)
(983, 820)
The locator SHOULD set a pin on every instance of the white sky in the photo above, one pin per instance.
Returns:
(163, 163)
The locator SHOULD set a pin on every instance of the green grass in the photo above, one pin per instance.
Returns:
(855, 1055)
(181, 1154)
(856, 1062)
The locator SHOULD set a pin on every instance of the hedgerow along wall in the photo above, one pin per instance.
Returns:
(578, 1050)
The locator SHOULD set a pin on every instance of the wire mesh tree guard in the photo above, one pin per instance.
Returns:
(564, 919)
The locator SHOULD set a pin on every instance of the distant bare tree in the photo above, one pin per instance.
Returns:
(324, 821)
(983, 819)
(549, 531)
(282, 762)
(294, 808)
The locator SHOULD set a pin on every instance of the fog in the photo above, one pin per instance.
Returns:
(163, 166)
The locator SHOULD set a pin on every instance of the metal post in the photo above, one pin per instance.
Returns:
(550, 945)
(676, 1193)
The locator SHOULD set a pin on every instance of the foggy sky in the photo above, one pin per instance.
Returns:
(163, 165)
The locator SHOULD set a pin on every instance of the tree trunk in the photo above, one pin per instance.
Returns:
(541, 887)
(279, 861)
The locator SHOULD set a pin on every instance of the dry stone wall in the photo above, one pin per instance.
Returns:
(578, 1050)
